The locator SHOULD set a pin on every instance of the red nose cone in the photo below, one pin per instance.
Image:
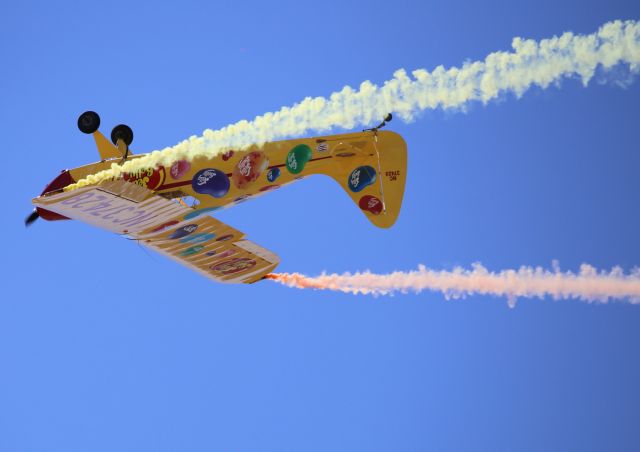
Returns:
(57, 184)
(63, 179)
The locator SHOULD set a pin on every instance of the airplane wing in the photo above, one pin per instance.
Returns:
(182, 233)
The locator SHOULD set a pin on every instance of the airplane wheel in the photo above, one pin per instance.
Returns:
(123, 132)
(88, 122)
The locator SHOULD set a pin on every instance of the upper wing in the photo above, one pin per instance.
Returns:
(198, 241)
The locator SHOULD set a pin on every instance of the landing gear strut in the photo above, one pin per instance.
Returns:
(384, 122)
(122, 136)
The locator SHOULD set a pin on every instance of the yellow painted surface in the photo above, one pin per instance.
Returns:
(370, 167)
(336, 156)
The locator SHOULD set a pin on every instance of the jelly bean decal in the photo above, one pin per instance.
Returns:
(197, 213)
(226, 253)
(298, 158)
(148, 178)
(249, 169)
(360, 178)
(234, 265)
(370, 204)
(273, 174)
(184, 231)
(197, 238)
(224, 238)
(227, 155)
(179, 169)
(211, 181)
(192, 250)
(165, 226)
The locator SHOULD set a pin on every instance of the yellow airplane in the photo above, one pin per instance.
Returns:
(167, 208)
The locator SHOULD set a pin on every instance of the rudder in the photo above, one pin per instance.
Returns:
(372, 168)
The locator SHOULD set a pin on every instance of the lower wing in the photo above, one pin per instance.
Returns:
(188, 236)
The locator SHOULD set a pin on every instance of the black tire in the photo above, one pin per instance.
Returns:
(123, 132)
(88, 122)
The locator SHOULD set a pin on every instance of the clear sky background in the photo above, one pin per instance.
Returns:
(105, 346)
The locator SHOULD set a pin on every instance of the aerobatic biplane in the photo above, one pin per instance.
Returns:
(168, 209)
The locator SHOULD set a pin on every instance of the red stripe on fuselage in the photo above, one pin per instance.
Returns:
(188, 182)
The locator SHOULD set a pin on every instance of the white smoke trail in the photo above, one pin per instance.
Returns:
(530, 63)
(588, 284)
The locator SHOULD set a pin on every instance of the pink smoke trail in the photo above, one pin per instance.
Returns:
(588, 284)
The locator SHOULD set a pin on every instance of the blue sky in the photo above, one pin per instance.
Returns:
(106, 346)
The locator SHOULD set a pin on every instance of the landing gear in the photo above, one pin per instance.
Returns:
(88, 122)
(122, 132)
(384, 122)
(122, 136)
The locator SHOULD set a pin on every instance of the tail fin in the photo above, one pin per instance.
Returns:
(372, 168)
